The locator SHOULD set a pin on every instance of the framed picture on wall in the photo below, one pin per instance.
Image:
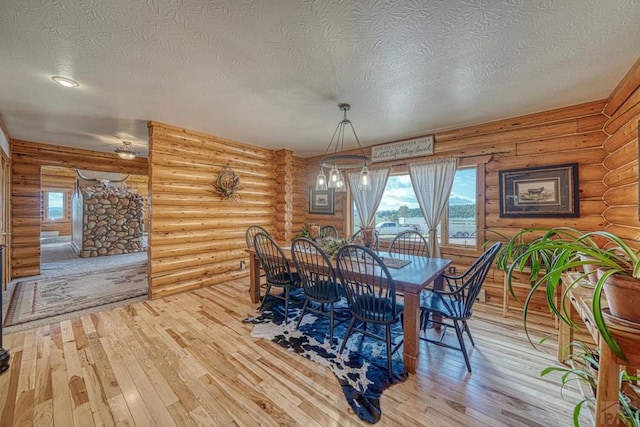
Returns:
(548, 191)
(321, 201)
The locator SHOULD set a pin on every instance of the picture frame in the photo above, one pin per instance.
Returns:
(540, 192)
(321, 201)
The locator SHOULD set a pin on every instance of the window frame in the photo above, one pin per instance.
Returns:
(479, 162)
(45, 205)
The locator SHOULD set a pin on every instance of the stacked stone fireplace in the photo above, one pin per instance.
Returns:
(107, 221)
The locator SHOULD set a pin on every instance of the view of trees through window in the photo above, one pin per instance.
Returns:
(55, 205)
(400, 206)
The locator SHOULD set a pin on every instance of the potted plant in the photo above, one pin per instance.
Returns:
(584, 364)
(304, 231)
(548, 253)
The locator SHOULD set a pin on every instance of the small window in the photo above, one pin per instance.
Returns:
(54, 202)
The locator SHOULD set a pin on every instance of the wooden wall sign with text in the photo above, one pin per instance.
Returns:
(403, 149)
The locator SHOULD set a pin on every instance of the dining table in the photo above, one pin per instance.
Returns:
(410, 279)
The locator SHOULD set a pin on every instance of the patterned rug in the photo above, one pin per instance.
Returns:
(362, 368)
(52, 296)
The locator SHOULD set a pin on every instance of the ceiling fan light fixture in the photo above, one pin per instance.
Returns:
(63, 81)
(125, 151)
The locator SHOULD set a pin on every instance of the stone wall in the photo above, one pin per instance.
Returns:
(112, 221)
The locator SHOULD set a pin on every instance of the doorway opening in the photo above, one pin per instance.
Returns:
(61, 188)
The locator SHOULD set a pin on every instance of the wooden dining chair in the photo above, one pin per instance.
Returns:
(250, 233)
(276, 268)
(357, 236)
(454, 304)
(409, 243)
(318, 278)
(329, 231)
(371, 295)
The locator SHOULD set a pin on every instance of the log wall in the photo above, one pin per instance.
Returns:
(621, 162)
(27, 159)
(290, 215)
(197, 237)
(572, 134)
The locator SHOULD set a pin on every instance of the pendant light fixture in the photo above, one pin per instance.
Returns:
(341, 162)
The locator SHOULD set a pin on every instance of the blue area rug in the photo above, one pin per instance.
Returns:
(361, 369)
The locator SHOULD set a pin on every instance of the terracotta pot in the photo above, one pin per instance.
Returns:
(368, 236)
(314, 231)
(623, 296)
(590, 269)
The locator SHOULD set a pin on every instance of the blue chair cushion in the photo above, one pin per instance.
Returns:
(443, 305)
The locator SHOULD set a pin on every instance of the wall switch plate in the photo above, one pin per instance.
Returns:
(243, 265)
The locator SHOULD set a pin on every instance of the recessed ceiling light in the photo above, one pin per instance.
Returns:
(63, 81)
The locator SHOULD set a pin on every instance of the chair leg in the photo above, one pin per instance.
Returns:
(264, 299)
(346, 337)
(424, 320)
(466, 328)
(304, 307)
(389, 361)
(331, 325)
(462, 346)
(286, 305)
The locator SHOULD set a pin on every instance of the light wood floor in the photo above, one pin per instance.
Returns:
(189, 360)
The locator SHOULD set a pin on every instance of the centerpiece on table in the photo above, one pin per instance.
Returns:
(331, 245)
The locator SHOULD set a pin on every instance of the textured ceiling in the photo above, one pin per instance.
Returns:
(272, 72)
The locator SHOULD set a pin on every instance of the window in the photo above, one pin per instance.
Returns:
(399, 210)
(54, 203)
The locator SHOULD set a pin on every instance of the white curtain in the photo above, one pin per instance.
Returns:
(367, 201)
(432, 182)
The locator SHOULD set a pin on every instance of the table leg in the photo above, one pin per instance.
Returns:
(607, 402)
(411, 327)
(565, 336)
(505, 296)
(254, 278)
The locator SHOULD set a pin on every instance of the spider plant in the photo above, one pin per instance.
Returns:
(584, 364)
(547, 253)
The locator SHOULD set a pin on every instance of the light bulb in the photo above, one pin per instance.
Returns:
(334, 176)
(365, 182)
(321, 181)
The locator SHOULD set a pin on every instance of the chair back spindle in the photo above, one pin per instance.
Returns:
(409, 243)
